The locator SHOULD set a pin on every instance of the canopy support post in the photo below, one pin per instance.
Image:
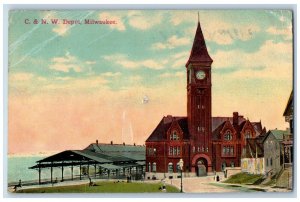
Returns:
(72, 171)
(40, 174)
(62, 172)
(80, 170)
(51, 172)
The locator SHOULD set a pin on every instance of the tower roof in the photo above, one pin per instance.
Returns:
(199, 51)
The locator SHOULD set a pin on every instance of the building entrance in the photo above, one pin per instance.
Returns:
(201, 168)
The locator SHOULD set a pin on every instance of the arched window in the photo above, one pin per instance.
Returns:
(171, 151)
(271, 162)
(154, 167)
(170, 168)
(149, 167)
(248, 134)
(228, 135)
(224, 150)
(223, 166)
(178, 167)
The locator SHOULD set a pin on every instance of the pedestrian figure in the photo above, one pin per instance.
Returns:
(91, 183)
(18, 185)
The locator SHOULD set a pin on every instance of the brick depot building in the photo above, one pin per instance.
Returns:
(205, 143)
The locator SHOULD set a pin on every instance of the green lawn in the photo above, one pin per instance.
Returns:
(104, 187)
(244, 178)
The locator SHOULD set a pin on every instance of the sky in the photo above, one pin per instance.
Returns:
(72, 84)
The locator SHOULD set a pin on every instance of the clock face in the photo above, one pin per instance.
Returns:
(200, 75)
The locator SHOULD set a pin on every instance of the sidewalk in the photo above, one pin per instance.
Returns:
(199, 185)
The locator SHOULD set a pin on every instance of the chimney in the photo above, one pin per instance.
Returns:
(168, 118)
(111, 142)
(96, 142)
(235, 120)
(134, 144)
(123, 143)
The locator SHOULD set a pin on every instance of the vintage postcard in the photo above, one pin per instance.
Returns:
(150, 101)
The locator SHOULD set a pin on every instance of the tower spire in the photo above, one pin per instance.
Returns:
(199, 51)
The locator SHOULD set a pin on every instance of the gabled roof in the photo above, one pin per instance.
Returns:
(258, 127)
(160, 131)
(199, 51)
(217, 131)
(278, 134)
(289, 107)
(76, 155)
(116, 151)
(254, 148)
(217, 121)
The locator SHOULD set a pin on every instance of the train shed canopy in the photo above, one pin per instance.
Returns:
(111, 156)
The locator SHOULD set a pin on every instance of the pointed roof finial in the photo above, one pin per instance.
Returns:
(199, 51)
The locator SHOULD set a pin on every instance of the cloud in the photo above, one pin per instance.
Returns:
(141, 21)
(173, 42)
(179, 74)
(136, 19)
(65, 64)
(90, 62)
(59, 28)
(286, 32)
(125, 62)
(224, 33)
(69, 62)
(13, 77)
(227, 33)
(111, 74)
(272, 60)
(113, 17)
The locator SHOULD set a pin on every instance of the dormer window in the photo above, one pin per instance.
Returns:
(248, 134)
(174, 136)
(228, 135)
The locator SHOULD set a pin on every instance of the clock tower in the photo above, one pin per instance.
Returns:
(198, 68)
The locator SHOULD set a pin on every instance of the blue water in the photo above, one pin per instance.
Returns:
(18, 169)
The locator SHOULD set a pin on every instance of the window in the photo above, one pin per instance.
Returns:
(198, 149)
(154, 167)
(271, 162)
(151, 151)
(178, 151)
(267, 162)
(149, 167)
(228, 150)
(170, 167)
(248, 134)
(178, 168)
(171, 151)
(223, 166)
(228, 135)
(175, 151)
(174, 136)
